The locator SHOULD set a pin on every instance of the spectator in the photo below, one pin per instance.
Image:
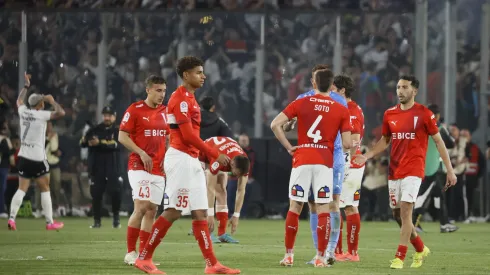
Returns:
(455, 201)
(5, 153)
(211, 124)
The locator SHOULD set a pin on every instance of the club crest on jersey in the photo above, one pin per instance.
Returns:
(324, 192)
(184, 108)
(297, 191)
(215, 165)
(126, 117)
(165, 199)
(357, 195)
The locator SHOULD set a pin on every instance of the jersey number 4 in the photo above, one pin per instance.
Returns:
(315, 135)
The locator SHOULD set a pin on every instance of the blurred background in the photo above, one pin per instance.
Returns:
(258, 57)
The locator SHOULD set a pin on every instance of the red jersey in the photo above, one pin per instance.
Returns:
(357, 121)
(182, 108)
(409, 131)
(226, 146)
(320, 118)
(147, 128)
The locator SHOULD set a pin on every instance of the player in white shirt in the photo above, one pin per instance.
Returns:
(33, 164)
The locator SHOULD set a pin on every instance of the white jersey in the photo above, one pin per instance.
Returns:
(33, 133)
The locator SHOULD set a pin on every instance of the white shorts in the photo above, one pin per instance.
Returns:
(351, 188)
(318, 177)
(186, 183)
(146, 186)
(405, 189)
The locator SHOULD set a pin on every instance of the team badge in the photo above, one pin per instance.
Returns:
(184, 108)
(126, 117)
(297, 191)
(357, 195)
(215, 165)
(324, 193)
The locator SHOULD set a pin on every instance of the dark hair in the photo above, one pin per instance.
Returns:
(323, 80)
(207, 102)
(242, 163)
(413, 80)
(434, 109)
(319, 67)
(187, 63)
(344, 82)
(154, 79)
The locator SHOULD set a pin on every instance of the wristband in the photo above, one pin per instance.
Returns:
(236, 214)
(210, 212)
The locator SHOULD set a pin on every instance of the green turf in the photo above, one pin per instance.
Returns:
(80, 250)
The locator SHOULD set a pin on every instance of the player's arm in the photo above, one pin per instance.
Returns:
(23, 92)
(58, 110)
(346, 130)
(441, 148)
(240, 194)
(127, 142)
(384, 142)
(277, 128)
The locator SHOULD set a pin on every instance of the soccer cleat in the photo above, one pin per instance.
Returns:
(226, 238)
(449, 228)
(214, 239)
(312, 262)
(396, 264)
(130, 258)
(340, 257)
(330, 256)
(320, 262)
(190, 233)
(147, 266)
(54, 225)
(288, 260)
(350, 258)
(11, 224)
(418, 257)
(218, 268)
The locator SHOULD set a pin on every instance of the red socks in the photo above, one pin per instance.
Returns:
(132, 238)
(222, 218)
(353, 229)
(338, 249)
(158, 231)
(327, 233)
(143, 239)
(201, 233)
(401, 252)
(321, 231)
(292, 222)
(418, 244)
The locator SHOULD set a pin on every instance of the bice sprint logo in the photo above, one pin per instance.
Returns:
(297, 191)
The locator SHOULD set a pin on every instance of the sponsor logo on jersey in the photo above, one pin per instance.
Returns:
(297, 191)
(403, 135)
(320, 100)
(155, 133)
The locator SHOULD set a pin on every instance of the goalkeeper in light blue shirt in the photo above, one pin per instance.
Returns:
(338, 178)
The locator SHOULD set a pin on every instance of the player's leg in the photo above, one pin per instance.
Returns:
(322, 185)
(222, 209)
(335, 217)
(46, 203)
(313, 223)
(16, 202)
(299, 184)
(98, 185)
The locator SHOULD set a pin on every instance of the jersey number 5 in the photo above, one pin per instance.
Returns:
(315, 135)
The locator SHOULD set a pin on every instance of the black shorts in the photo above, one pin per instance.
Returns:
(30, 169)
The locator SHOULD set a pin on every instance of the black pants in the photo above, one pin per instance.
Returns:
(456, 199)
(98, 186)
(431, 188)
(471, 183)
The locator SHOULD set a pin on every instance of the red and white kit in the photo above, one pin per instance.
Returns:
(226, 146)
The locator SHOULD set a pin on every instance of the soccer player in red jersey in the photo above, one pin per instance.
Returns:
(408, 126)
(217, 179)
(319, 118)
(185, 191)
(143, 130)
(351, 188)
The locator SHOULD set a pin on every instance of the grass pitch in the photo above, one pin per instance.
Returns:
(80, 250)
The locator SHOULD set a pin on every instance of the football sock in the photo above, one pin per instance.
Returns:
(321, 232)
(334, 231)
(353, 229)
(143, 239)
(338, 249)
(292, 223)
(47, 206)
(132, 238)
(313, 225)
(16, 203)
(418, 244)
(222, 217)
(158, 231)
(201, 233)
(401, 252)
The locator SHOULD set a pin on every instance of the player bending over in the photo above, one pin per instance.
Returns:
(319, 121)
(143, 132)
(407, 126)
(186, 183)
(351, 187)
(334, 218)
(33, 162)
(217, 179)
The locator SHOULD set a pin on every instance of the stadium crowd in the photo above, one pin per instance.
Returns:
(377, 48)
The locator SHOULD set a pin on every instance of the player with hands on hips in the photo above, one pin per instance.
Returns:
(407, 127)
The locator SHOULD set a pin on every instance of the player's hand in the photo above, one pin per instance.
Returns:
(49, 99)
(223, 159)
(147, 161)
(211, 223)
(292, 150)
(359, 159)
(233, 223)
(451, 180)
(27, 78)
